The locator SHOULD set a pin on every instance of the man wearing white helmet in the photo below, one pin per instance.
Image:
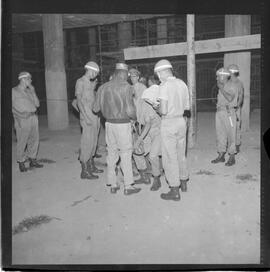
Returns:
(174, 101)
(24, 107)
(234, 73)
(114, 100)
(139, 88)
(225, 117)
(84, 92)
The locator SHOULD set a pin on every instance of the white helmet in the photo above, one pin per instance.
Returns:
(24, 74)
(92, 66)
(222, 71)
(233, 68)
(162, 65)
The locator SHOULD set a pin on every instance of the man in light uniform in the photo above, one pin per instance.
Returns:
(226, 117)
(234, 73)
(174, 100)
(150, 136)
(114, 100)
(138, 87)
(24, 106)
(84, 92)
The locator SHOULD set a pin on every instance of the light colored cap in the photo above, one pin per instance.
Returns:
(24, 74)
(133, 71)
(222, 71)
(121, 66)
(162, 65)
(233, 68)
(92, 66)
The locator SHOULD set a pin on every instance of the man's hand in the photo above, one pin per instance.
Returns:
(88, 121)
(137, 143)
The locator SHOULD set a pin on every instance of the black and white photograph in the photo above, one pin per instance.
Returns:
(135, 138)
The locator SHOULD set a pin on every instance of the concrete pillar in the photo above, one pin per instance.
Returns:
(191, 78)
(92, 43)
(161, 30)
(55, 75)
(238, 25)
(124, 37)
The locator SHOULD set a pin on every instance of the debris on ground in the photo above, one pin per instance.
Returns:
(245, 177)
(32, 222)
(46, 161)
(205, 172)
(80, 201)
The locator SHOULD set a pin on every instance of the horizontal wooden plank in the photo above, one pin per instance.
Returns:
(229, 44)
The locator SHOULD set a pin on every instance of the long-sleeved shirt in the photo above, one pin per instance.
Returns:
(114, 99)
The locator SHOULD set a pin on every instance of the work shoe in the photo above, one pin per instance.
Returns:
(33, 163)
(237, 148)
(183, 185)
(97, 156)
(87, 174)
(156, 184)
(231, 160)
(173, 194)
(220, 158)
(92, 168)
(22, 167)
(115, 189)
(144, 178)
(131, 190)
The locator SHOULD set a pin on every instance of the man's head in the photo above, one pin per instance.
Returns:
(222, 75)
(25, 78)
(121, 71)
(234, 70)
(134, 75)
(91, 69)
(163, 69)
(153, 80)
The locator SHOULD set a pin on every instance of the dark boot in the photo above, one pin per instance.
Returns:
(92, 167)
(231, 160)
(183, 185)
(132, 190)
(220, 158)
(144, 178)
(237, 148)
(97, 156)
(22, 167)
(33, 163)
(173, 194)
(156, 184)
(85, 174)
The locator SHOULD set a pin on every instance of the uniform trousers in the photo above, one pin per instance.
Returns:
(225, 131)
(119, 143)
(238, 126)
(152, 146)
(27, 137)
(88, 140)
(173, 146)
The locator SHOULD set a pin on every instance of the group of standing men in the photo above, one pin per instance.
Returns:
(159, 113)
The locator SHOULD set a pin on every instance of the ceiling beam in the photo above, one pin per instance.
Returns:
(239, 43)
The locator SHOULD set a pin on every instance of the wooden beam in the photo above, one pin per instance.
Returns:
(239, 43)
(191, 78)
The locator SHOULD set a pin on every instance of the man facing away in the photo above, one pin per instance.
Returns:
(114, 100)
(24, 107)
(84, 92)
(174, 101)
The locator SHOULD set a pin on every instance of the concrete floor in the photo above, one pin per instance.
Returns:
(216, 222)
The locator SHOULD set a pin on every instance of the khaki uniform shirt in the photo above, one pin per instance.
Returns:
(85, 91)
(175, 91)
(232, 89)
(21, 101)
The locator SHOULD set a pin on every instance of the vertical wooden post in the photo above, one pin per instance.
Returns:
(238, 25)
(55, 75)
(191, 79)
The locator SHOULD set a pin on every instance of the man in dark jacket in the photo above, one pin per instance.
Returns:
(114, 100)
